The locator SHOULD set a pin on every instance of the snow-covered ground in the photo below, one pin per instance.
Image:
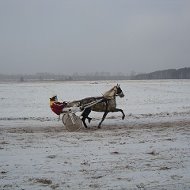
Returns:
(150, 149)
(20, 101)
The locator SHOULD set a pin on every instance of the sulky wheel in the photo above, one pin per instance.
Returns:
(72, 122)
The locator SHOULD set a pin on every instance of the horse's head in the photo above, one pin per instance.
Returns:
(118, 91)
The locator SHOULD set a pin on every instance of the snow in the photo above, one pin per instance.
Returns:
(31, 100)
(150, 149)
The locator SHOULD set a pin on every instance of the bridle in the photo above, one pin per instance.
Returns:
(118, 91)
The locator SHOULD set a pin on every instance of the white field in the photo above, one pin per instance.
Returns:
(150, 149)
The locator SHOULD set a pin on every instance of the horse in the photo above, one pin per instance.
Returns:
(105, 103)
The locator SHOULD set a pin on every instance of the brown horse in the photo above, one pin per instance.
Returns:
(105, 103)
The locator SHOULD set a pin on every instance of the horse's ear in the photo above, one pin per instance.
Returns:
(118, 85)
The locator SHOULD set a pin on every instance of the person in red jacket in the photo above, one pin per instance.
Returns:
(57, 107)
(60, 107)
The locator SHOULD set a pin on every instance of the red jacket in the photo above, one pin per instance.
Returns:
(57, 107)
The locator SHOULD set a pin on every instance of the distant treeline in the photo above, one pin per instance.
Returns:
(183, 73)
(54, 77)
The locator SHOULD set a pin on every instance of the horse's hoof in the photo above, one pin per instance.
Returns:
(123, 117)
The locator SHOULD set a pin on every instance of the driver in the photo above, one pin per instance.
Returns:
(59, 107)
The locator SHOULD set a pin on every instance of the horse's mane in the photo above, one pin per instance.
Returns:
(110, 93)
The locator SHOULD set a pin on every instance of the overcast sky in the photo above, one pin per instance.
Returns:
(84, 36)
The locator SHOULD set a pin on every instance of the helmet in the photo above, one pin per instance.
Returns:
(54, 98)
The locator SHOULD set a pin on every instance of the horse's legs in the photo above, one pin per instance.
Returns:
(105, 113)
(117, 110)
(104, 116)
(85, 114)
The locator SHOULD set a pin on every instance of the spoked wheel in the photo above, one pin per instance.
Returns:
(72, 122)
